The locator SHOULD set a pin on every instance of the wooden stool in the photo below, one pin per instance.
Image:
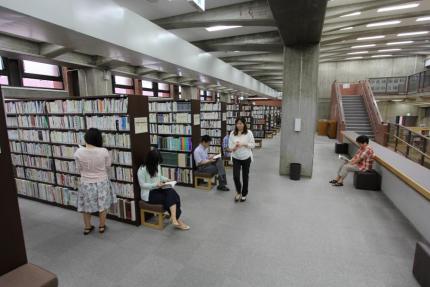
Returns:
(227, 161)
(258, 143)
(205, 177)
(274, 132)
(155, 209)
(269, 135)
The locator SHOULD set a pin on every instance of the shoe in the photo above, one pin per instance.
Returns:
(237, 197)
(223, 188)
(243, 199)
(332, 181)
(88, 230)
(102, 229)
(338, 184)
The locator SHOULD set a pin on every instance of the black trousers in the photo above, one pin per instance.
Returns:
(237, 165)
(167, 197)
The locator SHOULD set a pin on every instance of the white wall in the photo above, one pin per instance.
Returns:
(389, 110)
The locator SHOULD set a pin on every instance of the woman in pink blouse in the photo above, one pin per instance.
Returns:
(95, 192)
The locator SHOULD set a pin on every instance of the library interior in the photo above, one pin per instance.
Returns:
(215, 143)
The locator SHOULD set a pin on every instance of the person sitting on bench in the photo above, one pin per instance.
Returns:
(226, 150)
(154, 190)
(207, 164)
(362, 161)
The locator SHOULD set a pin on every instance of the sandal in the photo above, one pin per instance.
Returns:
(332, 181)
(237, 197)
(88, 230)
(338, 184)
(182, 226)
(243, 199)
(102, 229)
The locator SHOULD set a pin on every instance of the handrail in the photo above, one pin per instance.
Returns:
(419, 188)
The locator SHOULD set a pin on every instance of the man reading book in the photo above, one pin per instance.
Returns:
(210, 164)
(362, 161)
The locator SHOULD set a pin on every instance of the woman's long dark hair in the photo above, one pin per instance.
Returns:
(153, 159)
(245, 128)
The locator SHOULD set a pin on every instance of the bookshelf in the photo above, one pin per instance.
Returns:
(45, 133)
(246, 112)
(213, 116)
(175, 130)
(259, 126)
(232, 114)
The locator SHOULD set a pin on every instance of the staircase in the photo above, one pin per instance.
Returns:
(356, 116)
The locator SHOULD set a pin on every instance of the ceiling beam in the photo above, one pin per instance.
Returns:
(259, 58)
(255, 13)
(52, 50)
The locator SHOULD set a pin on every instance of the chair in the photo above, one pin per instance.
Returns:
(258, 143)
(157, 210)
(367, 180)
(204, 180)
(29, 275)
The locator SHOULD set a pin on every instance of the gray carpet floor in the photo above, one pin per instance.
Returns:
(288, 233)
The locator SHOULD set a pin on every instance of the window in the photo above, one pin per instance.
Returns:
(41, 75)
(4, 80)
(206, 96)
(180, 92)
(154, 89)
(123, 85)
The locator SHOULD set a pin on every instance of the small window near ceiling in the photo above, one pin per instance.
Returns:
(123, 81)
(146, 84)
(163, 87)
(4, 80)
(148, 93)
(41, 75)
(123, 85)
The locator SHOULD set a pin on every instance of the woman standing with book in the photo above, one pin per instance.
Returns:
(241, 143)
(158, 189)
(95, 192)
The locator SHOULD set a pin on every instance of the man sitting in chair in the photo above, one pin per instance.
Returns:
(362, 161)
(208, 164)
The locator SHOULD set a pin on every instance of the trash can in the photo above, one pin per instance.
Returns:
(295, 171)
(322, 127)
(332, 129)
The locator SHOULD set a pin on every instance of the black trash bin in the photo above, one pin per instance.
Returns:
(295, 171)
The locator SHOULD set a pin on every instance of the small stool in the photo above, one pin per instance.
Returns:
(227, 161)
(29, 275)
(155, 209)
(258, 143)
(269, 135)
(207, 178)
(422, 264)
(367, 180)
(341, 148)
(274, 132)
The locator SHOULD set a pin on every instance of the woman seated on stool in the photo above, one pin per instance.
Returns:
(154, 190)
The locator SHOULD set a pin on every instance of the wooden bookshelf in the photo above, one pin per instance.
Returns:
(175, 131)
(259, 123)
(117, 121)
(232, 114)
(213, 117)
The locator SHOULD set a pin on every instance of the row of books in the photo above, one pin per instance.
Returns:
(210, 106)
(68, 137)
(170, 107)
(123, 189)
(256, 127)
(210, 124)
(25, 107)
(64, 151)
(106, 105)
(232, 107)
(177, 159)
(121, 157)
(39, 175)
(179, 174)
(67, 180)
(124, 208)
(214, 149)
(66, 166)
(109, 123)
(245, 114)
(11, 122)
(123, 174)
(32, 121)
(210, 116)
(258, 134)
(232, 114)
(246, 108)
(36, 162)
(212, 133)
(171, 129)
(116, 140)
(172, 143)
(172, 118)
(67, 122)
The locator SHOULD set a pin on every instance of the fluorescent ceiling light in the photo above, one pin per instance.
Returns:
(384, 23)
(412, 33)
(397, 100)
(219, 28)
(354, 58)
(399, 43)
(427, 18)
(380, 56)
(360, 52)
(370, 38)
(363, 46)
(346, 28)
(351, 14)
(398, 7)
(390, 50)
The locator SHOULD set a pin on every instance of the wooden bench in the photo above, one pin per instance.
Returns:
(157, 210)
(258, 143)
(208, 180)
(29, 275)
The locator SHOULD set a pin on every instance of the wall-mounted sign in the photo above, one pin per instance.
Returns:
(199, 4)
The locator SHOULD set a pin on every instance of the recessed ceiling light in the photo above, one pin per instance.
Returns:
(236, 51)
(370, 38)
(384, 23)
(397, 100)
(219, 28)
(380, 56)
(427, 18)
(351, 14)
(399, 43)
(359, 52)
(346, 28)
(363, 46)
(412, 33)
(398, 7)
(390, 50)
(354, 58)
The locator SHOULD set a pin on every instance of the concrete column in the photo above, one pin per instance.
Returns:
(189, 93)
(299, 102)
(94, 82)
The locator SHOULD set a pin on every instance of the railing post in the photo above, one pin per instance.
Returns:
(397, 137)
(408, 140)
(424, 149)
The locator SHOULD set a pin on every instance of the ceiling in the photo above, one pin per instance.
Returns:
(257, 50)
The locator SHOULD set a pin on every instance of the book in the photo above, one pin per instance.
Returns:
(344, 158)
(217, 156)
(169, 184)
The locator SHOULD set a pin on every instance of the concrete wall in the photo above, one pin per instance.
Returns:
(349, 71)
(31, 93)
(389, 110)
